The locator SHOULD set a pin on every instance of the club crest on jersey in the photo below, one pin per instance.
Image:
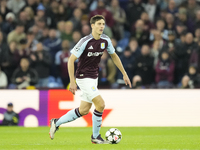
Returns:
(93, 88)
(102, 45)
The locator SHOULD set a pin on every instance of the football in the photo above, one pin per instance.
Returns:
(113, 135)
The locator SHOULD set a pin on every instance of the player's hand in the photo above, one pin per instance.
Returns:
(73, 87)
(127, 80)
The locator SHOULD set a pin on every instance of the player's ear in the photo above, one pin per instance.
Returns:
(92, 25)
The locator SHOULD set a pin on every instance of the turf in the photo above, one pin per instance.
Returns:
(133, 138)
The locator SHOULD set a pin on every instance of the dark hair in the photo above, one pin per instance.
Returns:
(96, 18)
(20, 24)
(23, 41)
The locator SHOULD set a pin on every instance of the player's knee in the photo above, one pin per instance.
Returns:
(84, 111)
(100, 107)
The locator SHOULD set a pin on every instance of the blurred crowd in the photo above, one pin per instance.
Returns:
(158, 41)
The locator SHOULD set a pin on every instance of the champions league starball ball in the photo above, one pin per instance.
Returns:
(113, 135)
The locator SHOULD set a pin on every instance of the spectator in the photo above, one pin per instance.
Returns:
(3, 47)
(148, 25)
(119, 17)
(101, 10)
(180, 29)
(183, 18)
(4, 9)
(170, 45)
(86, 30)
(102, 79)
(16, 6)
(9, 62)
(160, 26)
(127, 61)
(1, 22)
(33, 4)
(67, 35)
(61, 28)
(143, 67)
(152, 9)
(135, 49)
(54, 10)
(42, 14)
(163, 14)
(45, 35)
(3, 80)
(24, 76)
(108, 31)
(76, 19)
(61, 61)
(40, 61)
(9, 24)
(157, 45)
(68, 9)
(23, 18)
(84, 20)
(164, 71)
(133, 12)
(170, 24)
(31, 42)
(46, 4)
(191, 79)
(17, 34)
(183, 54)
(36, 31)
(52, 45)
(62, 15)
(192, 7)
(11, 118)
(30, 14)
(22, 50)
(84, 8)
(172, 9)
(197, 35)
(76, 36)
(197, 19)
(140, 34)
(111, 69)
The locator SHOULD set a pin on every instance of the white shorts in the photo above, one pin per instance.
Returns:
(88, 87)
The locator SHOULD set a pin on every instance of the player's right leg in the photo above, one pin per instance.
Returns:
(97, 120)
(69, 116)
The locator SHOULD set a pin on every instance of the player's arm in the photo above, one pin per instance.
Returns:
(119, 65)
(117, 62)
(73, 86)
(75, 54)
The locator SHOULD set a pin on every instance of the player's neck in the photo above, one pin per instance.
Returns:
(96, 36)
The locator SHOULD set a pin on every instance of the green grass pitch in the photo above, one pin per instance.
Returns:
(133, 138)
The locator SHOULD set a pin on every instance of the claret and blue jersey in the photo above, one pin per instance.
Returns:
(89, 52)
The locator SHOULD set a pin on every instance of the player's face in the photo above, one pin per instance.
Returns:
(99, 26)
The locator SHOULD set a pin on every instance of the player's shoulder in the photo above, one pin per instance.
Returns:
(85, 38)
(104, 36)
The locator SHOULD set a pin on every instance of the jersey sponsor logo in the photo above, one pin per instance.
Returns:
(94, 54)
(91, 47)
(102, 45)
(81, 75)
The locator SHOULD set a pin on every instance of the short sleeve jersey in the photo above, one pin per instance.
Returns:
(89, 52)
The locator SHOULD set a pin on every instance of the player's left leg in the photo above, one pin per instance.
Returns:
(97, 120)
(69, 116)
